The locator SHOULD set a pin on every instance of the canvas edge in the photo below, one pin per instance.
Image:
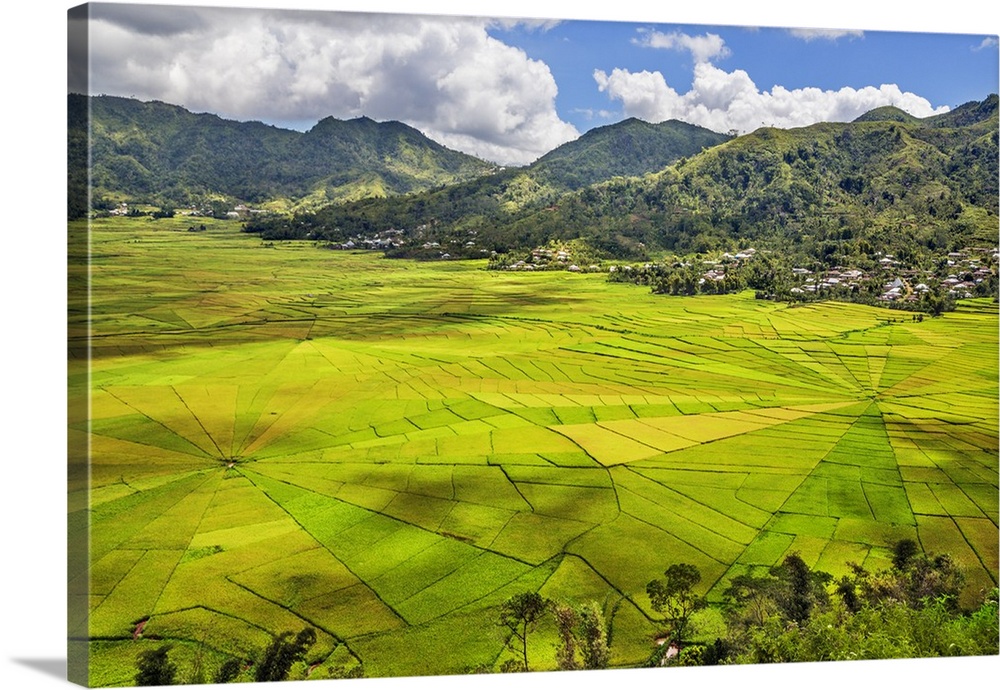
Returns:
(78, 358)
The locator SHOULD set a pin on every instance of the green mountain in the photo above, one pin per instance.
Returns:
(971, 114)
(886, 182)
(489, 203)
(362, 158)
(163, 154)
(628, 148)
(887, 113)
(827, 190)
(925, 183)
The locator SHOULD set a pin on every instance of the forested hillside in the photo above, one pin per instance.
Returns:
(882, 183)
(887, 182)
(626, 149)
(164, 155)
(879, 182)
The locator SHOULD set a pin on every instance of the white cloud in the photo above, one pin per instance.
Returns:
(825, 34)
(643, 94)
(722, 101)
(444, 76)
(530, 24)
(702, 48)
(988, 42)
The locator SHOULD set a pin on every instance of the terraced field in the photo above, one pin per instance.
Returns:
(387, 450)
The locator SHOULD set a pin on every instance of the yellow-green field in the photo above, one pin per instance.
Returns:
(384, 450)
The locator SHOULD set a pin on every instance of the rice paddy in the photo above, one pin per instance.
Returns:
(386, 450)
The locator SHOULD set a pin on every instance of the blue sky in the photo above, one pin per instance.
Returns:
(945, 69)
(516, 82)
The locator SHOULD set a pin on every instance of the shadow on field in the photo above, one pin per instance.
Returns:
(50, 667)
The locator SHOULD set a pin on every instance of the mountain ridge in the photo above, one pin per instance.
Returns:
(625, 188)
(626, 148)
(927, 183)
(164, 154)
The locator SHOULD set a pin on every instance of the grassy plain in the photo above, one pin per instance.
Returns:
(386, 450)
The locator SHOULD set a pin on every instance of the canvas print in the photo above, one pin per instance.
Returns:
(406, 345)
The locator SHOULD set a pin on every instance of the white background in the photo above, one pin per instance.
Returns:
(32, 314)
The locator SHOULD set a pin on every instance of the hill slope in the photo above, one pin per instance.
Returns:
(163, 154)
(488, 204)
(924, 183)
(928, 183)
(628, 148)
(828, 189)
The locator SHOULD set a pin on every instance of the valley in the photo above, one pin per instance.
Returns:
(387, 450)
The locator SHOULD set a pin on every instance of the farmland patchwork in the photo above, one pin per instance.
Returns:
(385, 451)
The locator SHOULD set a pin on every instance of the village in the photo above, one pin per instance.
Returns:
(963, 274)
(966, 273)
(958, 276)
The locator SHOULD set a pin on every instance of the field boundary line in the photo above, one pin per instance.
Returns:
(324, 546)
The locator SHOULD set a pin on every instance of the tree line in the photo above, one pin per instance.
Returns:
(275, 662)
(786, 613)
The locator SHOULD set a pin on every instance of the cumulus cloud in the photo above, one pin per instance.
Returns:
(988, 42)
(154, 20)
(825, 34)
(724, 101)
(445, 76)
(702, 48)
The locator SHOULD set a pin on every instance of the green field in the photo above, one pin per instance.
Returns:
(386, 450)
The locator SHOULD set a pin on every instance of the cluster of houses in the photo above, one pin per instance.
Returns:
(717, 270)
(239, 211)
(833, 279)
(959, 276)
(967, 270)
(121, 209)
(386, 239)
(552, 259)
(544, 258)
(394, 238)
